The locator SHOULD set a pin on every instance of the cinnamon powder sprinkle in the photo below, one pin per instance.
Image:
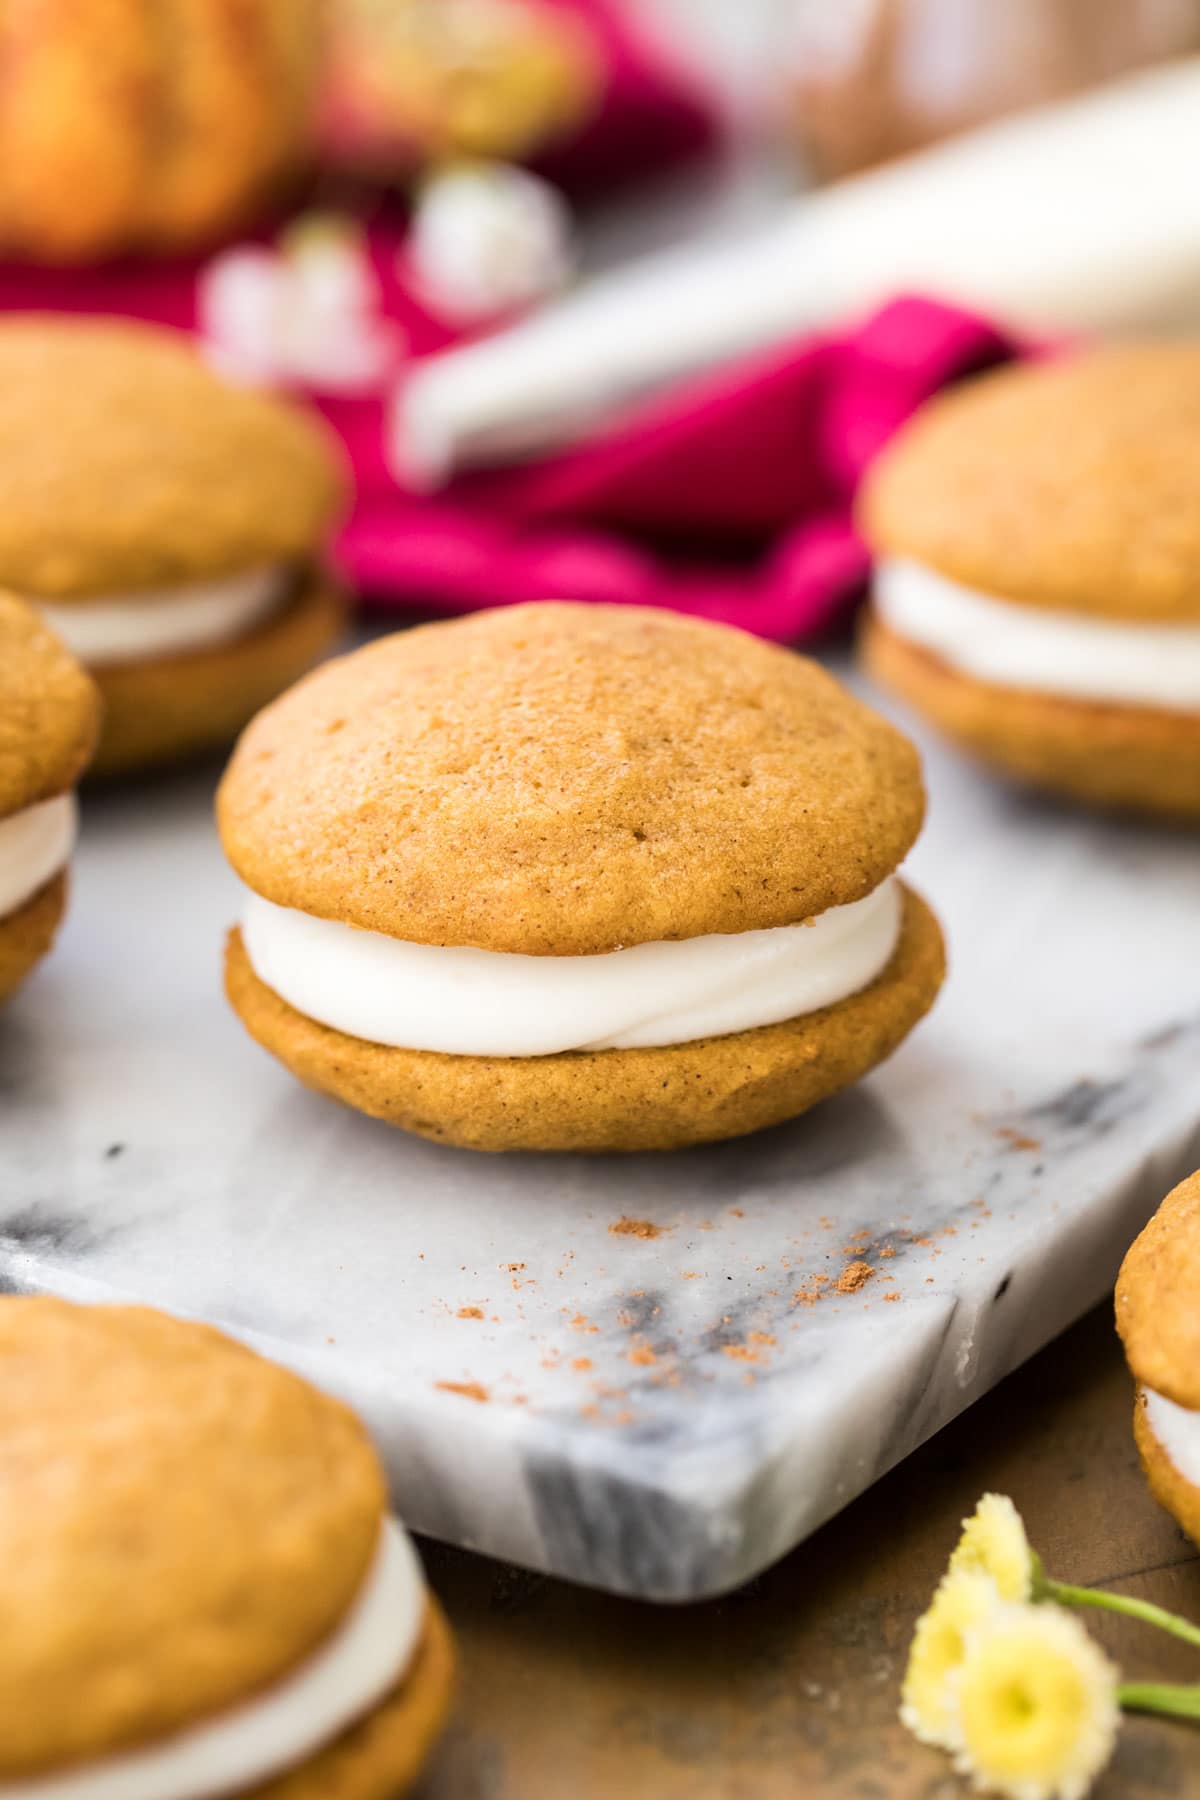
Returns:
(643, 1356)
(470, 1312)
(1017, 1140)
(638, 1228)
(854, 1276)
(581, 1364)
(470, 1390)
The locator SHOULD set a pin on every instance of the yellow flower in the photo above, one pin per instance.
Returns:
(965, 1598)
(1033, 1704)
(993, 1541)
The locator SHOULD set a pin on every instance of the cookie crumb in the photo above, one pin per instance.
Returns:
(470, 1312)
(854, 1276)
(1017, 1140)
(638, 1228)
(470, 1390)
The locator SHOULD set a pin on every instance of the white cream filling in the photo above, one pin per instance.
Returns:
(1031, 647)
(468, 1002)
(117, 628)
(1178, 1432)
(283, 1727)
(35, 845)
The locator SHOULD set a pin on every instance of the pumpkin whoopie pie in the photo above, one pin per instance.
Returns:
(1159, 1322)
(565, 877)
(169, 527)
(1037, 592)
(49, 722)
(205, 1594)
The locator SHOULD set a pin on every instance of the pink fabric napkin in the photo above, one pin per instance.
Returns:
(729, 498)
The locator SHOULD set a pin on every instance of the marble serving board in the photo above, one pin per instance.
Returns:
(650, 1374)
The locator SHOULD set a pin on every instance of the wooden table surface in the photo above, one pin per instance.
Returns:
(789, 1687)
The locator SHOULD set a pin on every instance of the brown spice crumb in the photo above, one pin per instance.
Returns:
(643, 1356)
(1017, 1140)
(512, 1268)
(579, 1323)
(888, 1250)
(581, 1364)
(470, 1390)
(894, 1295)
(854, 1276)
(739, 1353)
(470, 1312)
(760, 1337)
(737, 1212)
(638, 1228)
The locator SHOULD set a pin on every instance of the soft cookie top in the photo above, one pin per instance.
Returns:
(181, 1523)
(126, 464)
(566, 780)
(49, 711)
(1072, 484)
(1157, 1312)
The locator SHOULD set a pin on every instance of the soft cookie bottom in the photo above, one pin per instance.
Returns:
(1172, 1491)
(381, 1757)
(1128, 758)
(27, 934)
(179, 706)
(660, 1099)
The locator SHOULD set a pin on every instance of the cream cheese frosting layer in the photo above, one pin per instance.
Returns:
(122, 628)
(1178, 1433)
(287, 1724)
(470, 1002)
(1032, 647)
(35, 845)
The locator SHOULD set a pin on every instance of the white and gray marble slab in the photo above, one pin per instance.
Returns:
(664, 1416)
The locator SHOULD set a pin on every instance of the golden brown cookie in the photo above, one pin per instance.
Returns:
(1037, 589)
(181, 705)
(1173, 1491)
(553, 783)
(382, 1757)
(185, 1526)
(1070, 484)
(49, 722)
(1157, 1314)
(654, 1099)
(27, 934)
(563, 780)
(175, 526)
(129, 465)
(1159, 1323)
(1132, 759)
(49, 711)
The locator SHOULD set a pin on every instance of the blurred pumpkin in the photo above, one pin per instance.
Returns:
(414, 82)
(148, 124)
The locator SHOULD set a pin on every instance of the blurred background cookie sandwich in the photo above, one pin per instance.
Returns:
(170, 528)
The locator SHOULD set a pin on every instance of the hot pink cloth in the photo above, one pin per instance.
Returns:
(730, 498)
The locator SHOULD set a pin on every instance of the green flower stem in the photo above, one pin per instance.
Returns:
(1176, 1700)
(1066, 1595)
